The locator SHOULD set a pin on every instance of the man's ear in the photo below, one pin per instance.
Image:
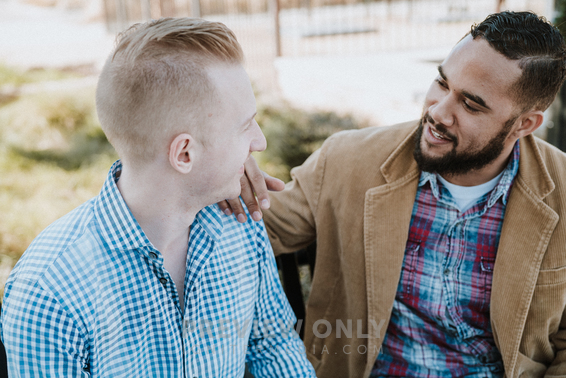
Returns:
(182, 153)
(529, 122)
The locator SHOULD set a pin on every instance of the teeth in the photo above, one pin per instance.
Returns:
(437, 135)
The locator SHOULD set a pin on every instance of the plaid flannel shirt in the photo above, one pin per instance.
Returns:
(440, 323)
(90, 297)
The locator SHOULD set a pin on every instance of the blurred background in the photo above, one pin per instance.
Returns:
(318, 66)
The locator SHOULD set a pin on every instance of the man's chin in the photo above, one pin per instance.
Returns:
(235, 193)
(429, 162)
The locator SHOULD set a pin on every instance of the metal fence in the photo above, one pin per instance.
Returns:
(270, 28)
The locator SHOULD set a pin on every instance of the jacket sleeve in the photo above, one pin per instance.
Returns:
(41, 340)
(291, 219)
(274, 348)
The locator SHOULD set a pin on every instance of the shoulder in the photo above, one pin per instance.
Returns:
(357, 155)
(384, 139)
(231, 227)
(250, 234)
(554, 158)
(548, 156)
(548, 164)
(368, 146)
(63, 239)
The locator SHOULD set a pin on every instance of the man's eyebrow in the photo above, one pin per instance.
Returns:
(475, 98)
(441, 73)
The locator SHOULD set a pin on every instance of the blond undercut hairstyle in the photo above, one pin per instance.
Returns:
(157, 75)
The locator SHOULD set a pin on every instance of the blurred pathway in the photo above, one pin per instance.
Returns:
(32, 36)
(385, 88)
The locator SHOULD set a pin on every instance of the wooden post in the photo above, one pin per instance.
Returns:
(146, 10)
(195, 8)
(109, 17)
(168, 8)
(277, 32)
(122, 14)
(498, 6)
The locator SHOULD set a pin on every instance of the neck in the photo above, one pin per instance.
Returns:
(164, 215)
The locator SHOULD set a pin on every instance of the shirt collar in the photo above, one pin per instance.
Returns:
(118, 226)
(210, 219)
(121, 230)
(501, 190)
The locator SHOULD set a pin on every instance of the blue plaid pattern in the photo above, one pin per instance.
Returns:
(91, 298)
(440, 323)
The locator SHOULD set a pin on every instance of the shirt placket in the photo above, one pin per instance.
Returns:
(164, 278)
(452, 275)
(201, 248)
(454, 255)
(155, 262)
(456, 223)
(448, 272)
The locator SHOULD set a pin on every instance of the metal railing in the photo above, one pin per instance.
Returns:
(268, 29)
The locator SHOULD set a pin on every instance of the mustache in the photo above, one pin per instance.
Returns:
(439, 127)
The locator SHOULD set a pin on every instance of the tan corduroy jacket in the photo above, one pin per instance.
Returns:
(355, 195)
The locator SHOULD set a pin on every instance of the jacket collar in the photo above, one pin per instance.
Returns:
(401, 162)
(532, 169)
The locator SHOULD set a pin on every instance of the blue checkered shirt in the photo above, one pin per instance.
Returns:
(91, 298)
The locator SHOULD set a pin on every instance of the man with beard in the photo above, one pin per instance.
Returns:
(441, 244)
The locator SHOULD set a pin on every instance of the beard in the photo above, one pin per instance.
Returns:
(457, 163)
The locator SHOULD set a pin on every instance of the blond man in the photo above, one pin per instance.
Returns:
(148, 279)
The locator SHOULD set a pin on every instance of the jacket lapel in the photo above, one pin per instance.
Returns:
(527, 228)
(387, 216)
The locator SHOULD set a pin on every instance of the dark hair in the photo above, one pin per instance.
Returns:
(537, 45)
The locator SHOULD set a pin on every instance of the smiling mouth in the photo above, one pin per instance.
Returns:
(438, 135)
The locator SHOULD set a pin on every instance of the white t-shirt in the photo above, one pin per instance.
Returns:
(467, 196)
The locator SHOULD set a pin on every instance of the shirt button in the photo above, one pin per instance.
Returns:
(163, 280)
(446, 272)
(152, 255)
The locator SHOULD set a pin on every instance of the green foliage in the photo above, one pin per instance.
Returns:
(53, 157)
(16, 77)
(58, 128)
(293, 135)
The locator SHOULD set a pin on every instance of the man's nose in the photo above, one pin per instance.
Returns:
(442, 111)
(258, 142)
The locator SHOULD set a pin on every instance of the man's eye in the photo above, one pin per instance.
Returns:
(442, 83)
(467, 106)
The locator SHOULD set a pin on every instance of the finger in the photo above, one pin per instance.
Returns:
(273, 183)
(250, 200)
(266, 184)
(237, 209)
(225, 207)
(257, 180)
